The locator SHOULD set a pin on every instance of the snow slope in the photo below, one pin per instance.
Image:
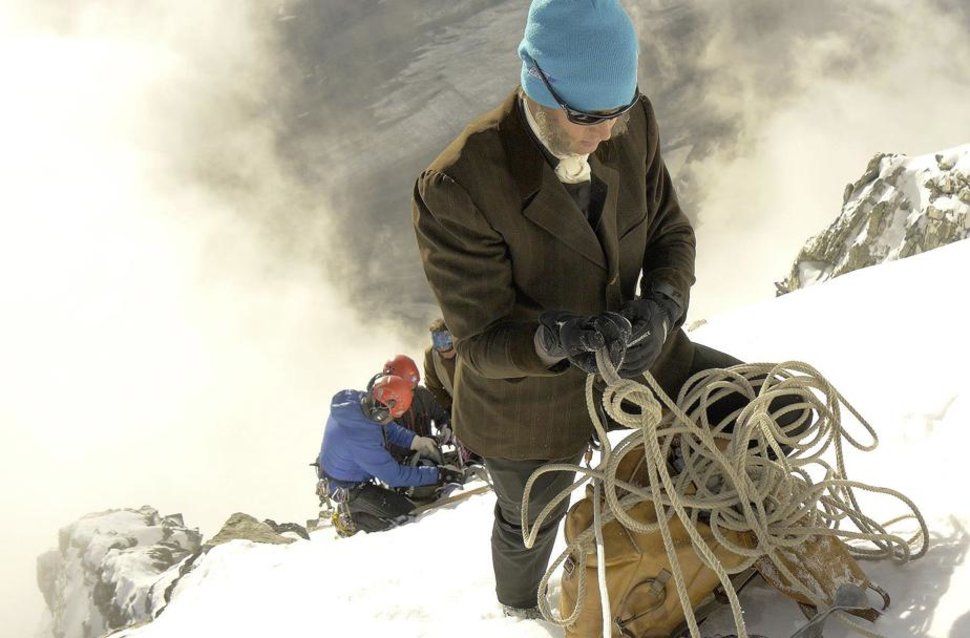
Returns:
(893, 340)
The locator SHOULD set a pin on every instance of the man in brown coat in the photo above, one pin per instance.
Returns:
(547, 228)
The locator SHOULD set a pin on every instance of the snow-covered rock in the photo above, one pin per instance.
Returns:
(120, 568)
(901, 206)
(103, 575)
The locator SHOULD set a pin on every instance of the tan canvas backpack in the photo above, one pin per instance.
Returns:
(644, 602)
(770, 517)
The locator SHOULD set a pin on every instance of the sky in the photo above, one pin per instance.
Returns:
(194, 255)
(429, 577)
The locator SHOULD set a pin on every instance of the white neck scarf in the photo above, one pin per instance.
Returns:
(572, 168)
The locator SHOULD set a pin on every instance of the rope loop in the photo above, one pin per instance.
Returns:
(778, 475)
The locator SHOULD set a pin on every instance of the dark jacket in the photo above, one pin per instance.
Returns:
(354, 450)
(439, 376)
(424, 411)
(501, 240)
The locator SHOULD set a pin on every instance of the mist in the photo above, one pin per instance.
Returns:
(167, 337)
(205, 228)
(797, 98)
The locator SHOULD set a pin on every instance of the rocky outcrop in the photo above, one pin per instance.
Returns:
(239, 526)
(120, 568)
(103, 575)
(901, 206)
(245, 527)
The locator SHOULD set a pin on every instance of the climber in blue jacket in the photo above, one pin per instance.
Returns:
(354, 453)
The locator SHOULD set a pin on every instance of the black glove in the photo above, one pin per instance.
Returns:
(450, 474)
(577, 338)
(651, 318)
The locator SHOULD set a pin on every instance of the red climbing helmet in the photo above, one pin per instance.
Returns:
(403, 366)
(392, 392)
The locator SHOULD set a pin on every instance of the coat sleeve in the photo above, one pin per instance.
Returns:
(433, 383)
(470, 272)
(399, 435)
(436, 411)
(671, 248)
(373, 458)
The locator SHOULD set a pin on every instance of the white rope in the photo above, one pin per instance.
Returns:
(601, 561)
(748, 486)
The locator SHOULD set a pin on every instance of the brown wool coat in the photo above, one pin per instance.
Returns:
(432, 380)
(501, 241)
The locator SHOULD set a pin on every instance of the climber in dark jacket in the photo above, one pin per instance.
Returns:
(426, 413)
(439, 364)
(354, 453)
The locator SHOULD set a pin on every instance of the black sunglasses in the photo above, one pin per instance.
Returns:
(582, 117)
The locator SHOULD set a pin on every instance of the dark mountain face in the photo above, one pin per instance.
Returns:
(370, 91)
(374, 90)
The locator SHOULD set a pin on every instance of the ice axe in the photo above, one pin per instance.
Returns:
(848, 597)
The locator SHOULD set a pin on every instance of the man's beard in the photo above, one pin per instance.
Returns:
(557, 140)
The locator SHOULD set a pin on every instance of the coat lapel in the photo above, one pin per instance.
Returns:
(607, 228)
(545, 201)
(555, 210)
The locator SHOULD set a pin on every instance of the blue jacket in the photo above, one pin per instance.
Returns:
(353, 447)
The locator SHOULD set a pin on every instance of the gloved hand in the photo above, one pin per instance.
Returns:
(426, 447)
(450, 474)
(565, 335)
(651, 318)
(445, 434)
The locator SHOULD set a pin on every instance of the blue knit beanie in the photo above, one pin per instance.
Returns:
(588, 50)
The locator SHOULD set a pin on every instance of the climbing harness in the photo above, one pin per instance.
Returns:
(341, 518)
(759, 497)
(335, 505)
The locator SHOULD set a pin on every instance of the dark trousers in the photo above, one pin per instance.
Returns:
(375, 508)
(706, 358)
(518, 570)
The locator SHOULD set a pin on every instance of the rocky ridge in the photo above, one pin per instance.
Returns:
(103, 574)
(120, 568)
(901, 206)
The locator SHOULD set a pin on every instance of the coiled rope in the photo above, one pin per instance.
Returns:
(746, 484)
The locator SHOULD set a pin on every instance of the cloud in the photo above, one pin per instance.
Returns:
(169, 332)
(778, 105)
